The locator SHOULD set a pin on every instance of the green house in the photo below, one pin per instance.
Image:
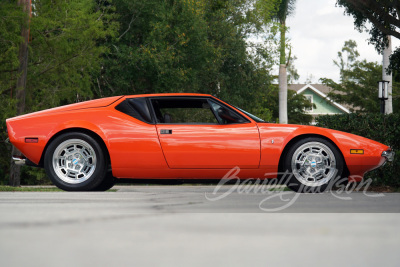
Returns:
(317, 94)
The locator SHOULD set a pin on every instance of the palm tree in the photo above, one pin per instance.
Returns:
(285, 9)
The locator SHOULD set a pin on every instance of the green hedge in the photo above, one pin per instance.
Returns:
(382, 128)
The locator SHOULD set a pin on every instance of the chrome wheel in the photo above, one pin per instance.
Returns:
(74, 161)
(313, 164)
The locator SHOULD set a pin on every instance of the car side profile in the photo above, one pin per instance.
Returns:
(87, 146)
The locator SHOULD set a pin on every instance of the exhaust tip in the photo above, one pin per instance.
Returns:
(19, 160)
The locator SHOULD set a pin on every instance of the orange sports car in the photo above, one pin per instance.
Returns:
(86, 146)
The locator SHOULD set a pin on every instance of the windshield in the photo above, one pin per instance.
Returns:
(257, 119)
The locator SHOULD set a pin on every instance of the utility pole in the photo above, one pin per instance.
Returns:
(15, 170)
(387, 77)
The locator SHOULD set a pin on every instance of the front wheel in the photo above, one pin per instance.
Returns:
(313, 164)
(75, 162)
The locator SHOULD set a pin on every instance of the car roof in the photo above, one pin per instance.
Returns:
(169, 94)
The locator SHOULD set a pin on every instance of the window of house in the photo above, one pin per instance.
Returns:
(309, 98)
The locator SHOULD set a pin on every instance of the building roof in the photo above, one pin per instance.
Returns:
(320, 89)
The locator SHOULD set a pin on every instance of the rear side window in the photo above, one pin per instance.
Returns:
(136, 108)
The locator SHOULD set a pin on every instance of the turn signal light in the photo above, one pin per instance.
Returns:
(356, 151)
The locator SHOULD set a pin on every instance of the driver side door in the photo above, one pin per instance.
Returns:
(201, 133)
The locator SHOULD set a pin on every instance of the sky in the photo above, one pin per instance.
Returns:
(318, 30)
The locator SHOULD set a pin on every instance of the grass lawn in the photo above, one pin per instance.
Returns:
(6, 188)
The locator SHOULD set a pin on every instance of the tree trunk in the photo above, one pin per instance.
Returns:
(15, 177)
(385, 64)
(283, 118)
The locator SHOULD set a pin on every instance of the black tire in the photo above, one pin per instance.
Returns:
(321, 168)
(75, 162)
(107, 183)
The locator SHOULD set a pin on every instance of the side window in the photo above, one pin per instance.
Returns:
(136, 108)
(183, 110)
(226, 115)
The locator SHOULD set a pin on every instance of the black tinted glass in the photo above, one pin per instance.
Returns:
(137, 108)
(183, 110)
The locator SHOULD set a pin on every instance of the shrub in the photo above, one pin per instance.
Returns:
(382, 128)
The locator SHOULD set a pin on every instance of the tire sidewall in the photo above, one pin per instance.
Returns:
(294, 184)
(94, 180)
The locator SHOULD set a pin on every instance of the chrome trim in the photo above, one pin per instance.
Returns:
(19, 160)
(388, 154)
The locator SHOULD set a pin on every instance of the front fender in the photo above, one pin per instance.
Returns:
(276, 137)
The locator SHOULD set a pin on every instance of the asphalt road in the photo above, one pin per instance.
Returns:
(196, 226)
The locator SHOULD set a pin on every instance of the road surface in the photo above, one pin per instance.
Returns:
(198, 226)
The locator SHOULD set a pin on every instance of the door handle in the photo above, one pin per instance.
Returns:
(164, 131)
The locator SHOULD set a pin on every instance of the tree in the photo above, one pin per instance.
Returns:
(297, 104)
(292, 72)
(64, 54)
(279, 11)
(383, 14)
(285, 9)
(66, 50)
(346, 57)
(358, 81)
(186, 46)
(25, 5)
(385, 18)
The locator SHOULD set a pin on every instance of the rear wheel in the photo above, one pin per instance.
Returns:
(313, 164)
(75, 162)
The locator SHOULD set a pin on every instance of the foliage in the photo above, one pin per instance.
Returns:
(385, 19)
(84, 49)
(358, 86)
(297, 103)
(64, 53)
(285, 9)
(292, 72)
(186, 46)
(11, 19)
(382, 128)
(346, 57)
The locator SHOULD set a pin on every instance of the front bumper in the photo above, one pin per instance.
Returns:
(388, 154)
